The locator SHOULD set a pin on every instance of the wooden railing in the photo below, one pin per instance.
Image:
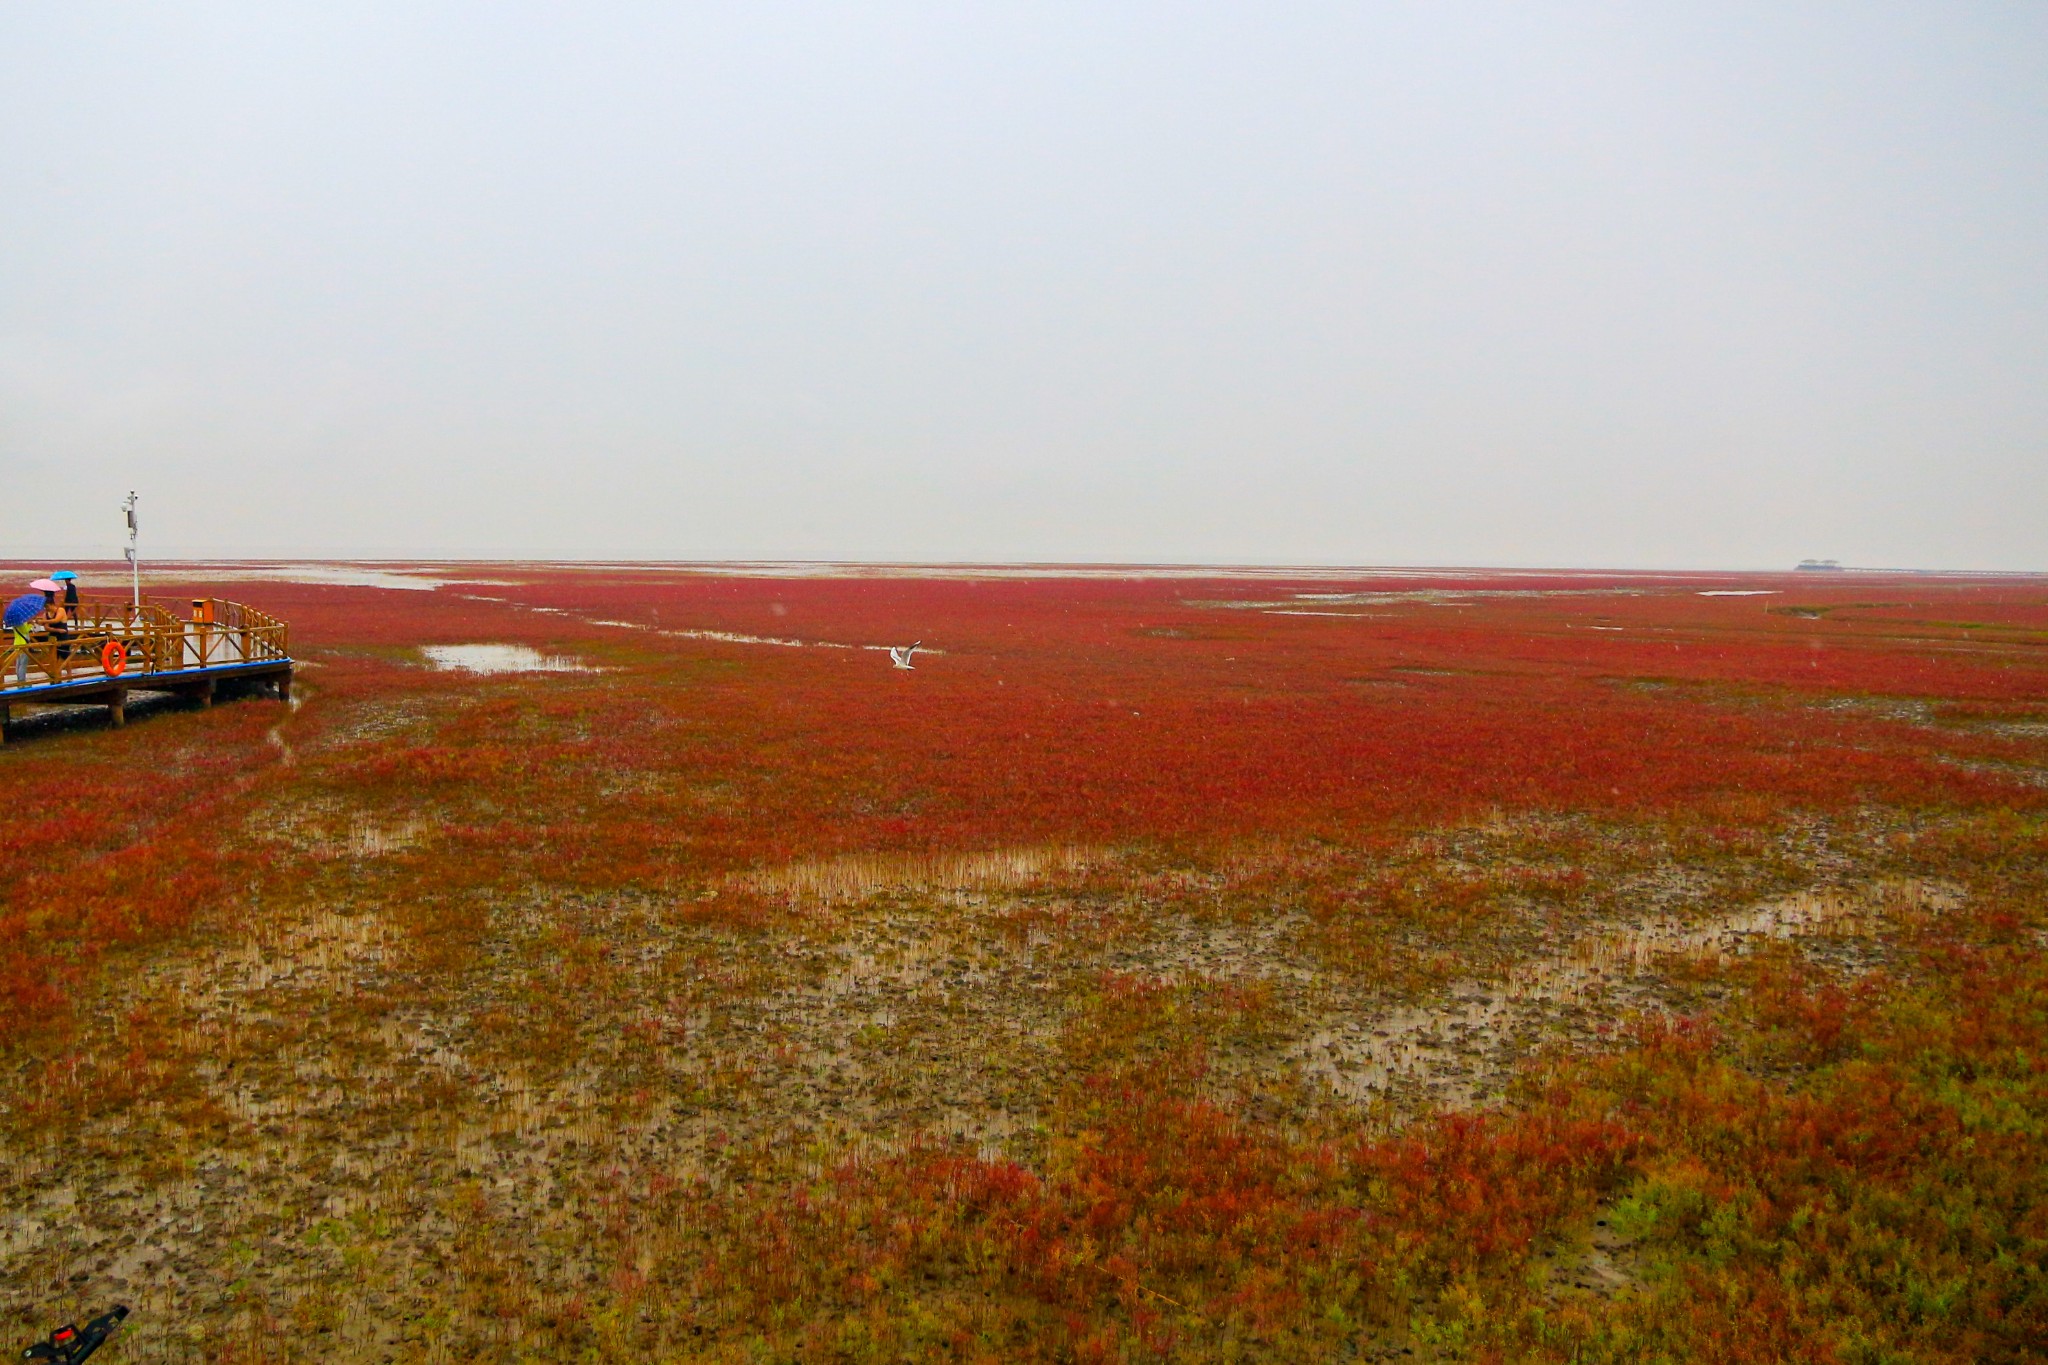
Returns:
(153, 639)
(223, 632)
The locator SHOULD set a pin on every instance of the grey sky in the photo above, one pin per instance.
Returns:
(1711, 285)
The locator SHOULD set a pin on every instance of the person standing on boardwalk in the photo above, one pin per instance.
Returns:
(64, 614)
(22, 613)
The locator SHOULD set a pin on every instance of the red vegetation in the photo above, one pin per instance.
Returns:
(1062, 711)
(1824, 1170)
(1080, 711)
(1885, 1196)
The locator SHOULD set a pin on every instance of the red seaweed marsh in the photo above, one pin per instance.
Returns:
(634, 963)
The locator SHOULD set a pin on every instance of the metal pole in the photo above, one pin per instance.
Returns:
(134, 564)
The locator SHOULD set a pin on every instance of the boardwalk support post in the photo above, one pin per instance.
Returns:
(206, 695)
(117, 706)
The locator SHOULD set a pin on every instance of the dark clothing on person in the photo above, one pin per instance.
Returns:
(62, 627)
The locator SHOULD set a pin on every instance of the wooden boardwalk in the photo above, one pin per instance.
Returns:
(114, 648)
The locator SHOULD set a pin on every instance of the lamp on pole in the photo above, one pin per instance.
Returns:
(134, 565)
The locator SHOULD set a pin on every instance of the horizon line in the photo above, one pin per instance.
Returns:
(784, 563)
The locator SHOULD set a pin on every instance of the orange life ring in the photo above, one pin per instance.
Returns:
(114, 658)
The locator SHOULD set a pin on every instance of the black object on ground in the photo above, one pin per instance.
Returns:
(69, 1344)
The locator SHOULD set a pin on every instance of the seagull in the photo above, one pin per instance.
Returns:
(901, 657)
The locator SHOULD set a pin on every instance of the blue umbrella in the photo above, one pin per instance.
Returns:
(26, 607)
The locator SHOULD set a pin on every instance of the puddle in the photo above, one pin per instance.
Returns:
(1299, 604)
(1346, 615)
(332, 574)
(731, 637)
(502, 659)
(1739, 592)
(1460, 594)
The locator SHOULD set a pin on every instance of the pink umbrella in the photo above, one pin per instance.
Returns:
(47, 585)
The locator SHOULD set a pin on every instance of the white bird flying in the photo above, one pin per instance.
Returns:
(901, 657)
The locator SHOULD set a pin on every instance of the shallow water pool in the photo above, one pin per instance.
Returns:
(502, 659)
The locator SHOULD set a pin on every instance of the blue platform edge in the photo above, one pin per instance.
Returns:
(140, 681)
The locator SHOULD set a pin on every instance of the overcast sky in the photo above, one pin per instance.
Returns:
(1707, 285)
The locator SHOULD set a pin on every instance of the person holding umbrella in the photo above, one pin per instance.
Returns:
(64, 615)
(20, 614)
